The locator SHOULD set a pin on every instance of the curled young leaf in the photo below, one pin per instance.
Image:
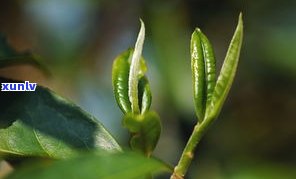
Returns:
(120, 77)
(210, 67)
(120, 74)
(130, 86)
(134, 71)
(227, 73)
(145, 130)
(198, 74)
(133, 94)
(145, 96)
(203, 71)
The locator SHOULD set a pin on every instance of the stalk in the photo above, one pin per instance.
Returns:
(188, 152)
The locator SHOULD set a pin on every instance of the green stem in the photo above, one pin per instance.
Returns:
(188, 152)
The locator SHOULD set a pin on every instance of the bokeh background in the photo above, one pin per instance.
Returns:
(255, 134)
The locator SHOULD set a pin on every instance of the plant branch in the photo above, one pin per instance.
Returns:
(188, 152)
(217, 98)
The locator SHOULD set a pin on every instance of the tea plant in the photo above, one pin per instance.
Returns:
(42, 124)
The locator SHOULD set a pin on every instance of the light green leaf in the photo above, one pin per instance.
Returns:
(41, 123)
(9, 57)
(203, 66)
(101, 166)
(145, 130)
(227, 73)
(134, 71)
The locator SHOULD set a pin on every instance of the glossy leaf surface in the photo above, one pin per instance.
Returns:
(41, 123)
(115, 166)
(210, 67)
(145, 130)
(203, 71)
(120, 76)
(198, 74)
(227, 73)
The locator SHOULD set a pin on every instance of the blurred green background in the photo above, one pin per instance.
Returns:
(255, 134)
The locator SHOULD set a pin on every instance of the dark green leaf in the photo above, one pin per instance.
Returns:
(227, 73)
(101, 166)
(41, 123)
(145, 130)
(8, 57)
(203, 71)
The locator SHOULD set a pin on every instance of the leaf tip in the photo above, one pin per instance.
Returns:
(240, 15)
(197, 30)
(142, 22)
(240, 19)
(195, 37)
(142, 29)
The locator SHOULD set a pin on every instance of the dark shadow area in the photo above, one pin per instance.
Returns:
(43, 111)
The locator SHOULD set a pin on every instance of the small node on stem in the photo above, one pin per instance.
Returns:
(189, 154)
(176, 176)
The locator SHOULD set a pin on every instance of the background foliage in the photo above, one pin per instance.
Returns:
(255, 134)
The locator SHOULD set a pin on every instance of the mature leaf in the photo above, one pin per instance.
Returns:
(134, 71)
(9, 56)
(203, 71)
(103, 166)
(41, 123)
(227, 73)
(145, 130)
